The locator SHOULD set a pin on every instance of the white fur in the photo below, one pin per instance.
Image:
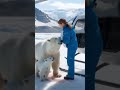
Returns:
(16, 56)
(43, 68)
(46, 49)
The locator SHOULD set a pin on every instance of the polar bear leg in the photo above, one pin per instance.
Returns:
(47, 72)
(41, 76)
(36, 70)
(37, 74)
(55, 65)
(46, 75)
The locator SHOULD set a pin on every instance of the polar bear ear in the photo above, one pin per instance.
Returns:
(45, 59)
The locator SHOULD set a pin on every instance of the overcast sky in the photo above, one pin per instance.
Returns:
(61, 4)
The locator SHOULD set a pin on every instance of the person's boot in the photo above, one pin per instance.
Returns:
(68, 78)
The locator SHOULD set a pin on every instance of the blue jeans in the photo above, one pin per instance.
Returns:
(70, 61)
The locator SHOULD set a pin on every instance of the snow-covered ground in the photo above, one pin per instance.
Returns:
(50, 24)
(109, 73)
(60, 83)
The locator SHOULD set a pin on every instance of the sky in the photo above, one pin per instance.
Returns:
(61, 4)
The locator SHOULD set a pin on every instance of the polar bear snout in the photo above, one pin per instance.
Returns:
(55, 40)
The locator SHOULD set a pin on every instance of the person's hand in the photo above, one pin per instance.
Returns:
(66, 45)
(60, 41)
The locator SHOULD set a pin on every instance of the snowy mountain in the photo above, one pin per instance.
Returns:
(67, 14)
(45, 24)
(46, 21)
(40, 16)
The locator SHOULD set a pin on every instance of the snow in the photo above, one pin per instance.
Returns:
(60, 83)
(43, 36)
(56, 14)
(50, 24)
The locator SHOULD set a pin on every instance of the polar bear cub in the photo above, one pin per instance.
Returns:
(42, 69)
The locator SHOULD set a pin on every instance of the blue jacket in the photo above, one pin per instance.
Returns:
(69, 37)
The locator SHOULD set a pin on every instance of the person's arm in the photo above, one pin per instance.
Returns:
(66, 37)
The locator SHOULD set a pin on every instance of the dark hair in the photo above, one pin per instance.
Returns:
(64, 22)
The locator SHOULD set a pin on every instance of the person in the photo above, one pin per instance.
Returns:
(70, 40)
(93, 45)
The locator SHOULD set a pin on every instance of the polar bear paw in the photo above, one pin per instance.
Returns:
(43, 78)
(56, 75)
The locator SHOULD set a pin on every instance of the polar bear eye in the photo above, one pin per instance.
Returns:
(48, 40)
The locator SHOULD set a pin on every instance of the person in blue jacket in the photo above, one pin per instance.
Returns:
(93, 44)
(70, 40)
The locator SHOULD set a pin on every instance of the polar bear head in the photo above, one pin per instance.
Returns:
(49, 60)
(53, 45)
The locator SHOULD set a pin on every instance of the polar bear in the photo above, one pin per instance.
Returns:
(17, 59)
(49, 48)
(42, 69)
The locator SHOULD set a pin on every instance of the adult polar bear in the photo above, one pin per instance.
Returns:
(42, 69)
(49, 48)
(16, 56)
